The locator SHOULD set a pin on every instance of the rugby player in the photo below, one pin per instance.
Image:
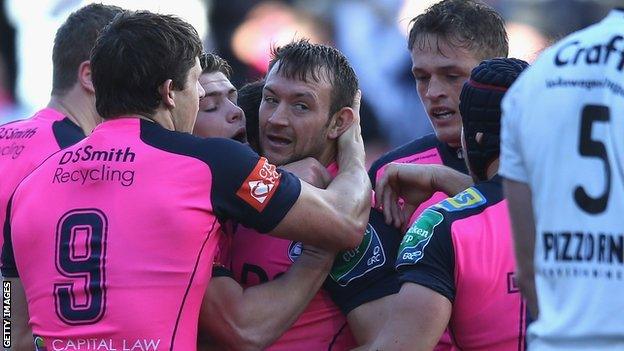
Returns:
(68, 117)
(445, 42)
(134, 211)
(456, 262)
(562, 152)
(247, 318)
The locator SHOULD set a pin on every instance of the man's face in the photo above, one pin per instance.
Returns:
(294, 118)
(440, 71)
(187, 101)
(219, 116)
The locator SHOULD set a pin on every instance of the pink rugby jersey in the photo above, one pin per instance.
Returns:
(127, 223)
(257, 258)
(461, 248)
(25, 144)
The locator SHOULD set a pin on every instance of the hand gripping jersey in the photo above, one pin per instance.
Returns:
(562, 134)
(461, 248)
(257, 259)
(25, 144)
(127, 221)
(425, 150)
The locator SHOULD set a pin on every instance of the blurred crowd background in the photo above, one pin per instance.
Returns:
(371, 33)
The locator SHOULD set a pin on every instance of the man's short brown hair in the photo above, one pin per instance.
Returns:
(469, 24)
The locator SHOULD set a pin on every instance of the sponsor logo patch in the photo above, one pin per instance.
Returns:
(469, 198)
(352, 264)
(260, 185)
(417, 237)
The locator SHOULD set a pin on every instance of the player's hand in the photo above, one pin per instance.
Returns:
(412, 183)
(350, 143)
(311, 171)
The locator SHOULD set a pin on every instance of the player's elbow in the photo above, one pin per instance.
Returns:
(352, 233)
(247, 340)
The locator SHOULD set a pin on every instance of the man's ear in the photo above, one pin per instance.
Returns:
(340, 122)
(167, 94)
(84, 76)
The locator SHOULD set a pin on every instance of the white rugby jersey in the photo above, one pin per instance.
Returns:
(563, 134)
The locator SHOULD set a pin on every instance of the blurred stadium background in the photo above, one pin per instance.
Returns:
(371, 33)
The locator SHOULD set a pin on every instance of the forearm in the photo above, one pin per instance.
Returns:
(450, 181)
(352, 193)
(257, 316)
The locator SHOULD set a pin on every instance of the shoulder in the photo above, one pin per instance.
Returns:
(66, 132)
(208, 150)
(415, 147)
(471, 201)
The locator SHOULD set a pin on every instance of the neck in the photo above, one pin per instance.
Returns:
(162, 117)
(328, 156)
(79, 107)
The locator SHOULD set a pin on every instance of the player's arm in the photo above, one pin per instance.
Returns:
(336, 217)
(368, 320)
(518, 194)
(519, 199)
(415, 183)
(21, 335)
(311, 171)
(421, 311)
(363, 281)
(417, 319)
(253, 318)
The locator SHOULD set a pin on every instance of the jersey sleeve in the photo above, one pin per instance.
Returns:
(9, 269)
(367, 272)
(248, 189)
(512, 163)
(426, 255)
(375, 167)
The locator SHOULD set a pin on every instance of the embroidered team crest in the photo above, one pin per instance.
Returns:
(260, 185)
(469, 198)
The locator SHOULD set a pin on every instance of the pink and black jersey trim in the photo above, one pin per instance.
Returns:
(436, 269)
(450, 156)
(66, 133)
(230, 162)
